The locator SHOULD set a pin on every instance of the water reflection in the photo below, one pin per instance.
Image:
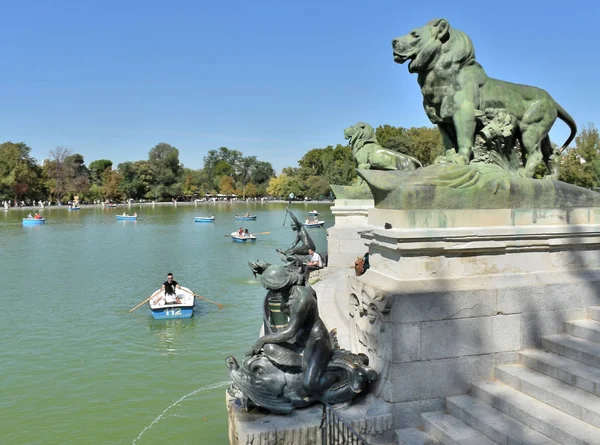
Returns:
(168, 331)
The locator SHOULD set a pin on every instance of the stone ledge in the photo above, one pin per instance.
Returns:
(370, 417)
(483, 217)
(389, 285)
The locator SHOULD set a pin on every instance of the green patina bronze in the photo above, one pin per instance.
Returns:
(457, 92)
(495, 134)
(475, 186)
(369, 154)
(358, 191)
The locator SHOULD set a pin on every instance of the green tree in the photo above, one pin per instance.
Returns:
(317, 186)
(110, 187)
(19, 172)
(251, 190)
(79, 180)
(313, 162)
(164, 160)
(261, 172)
(58, 172)
(97, 169)
(227, 185)
(394, 138)
(581, 164)
(426, 144)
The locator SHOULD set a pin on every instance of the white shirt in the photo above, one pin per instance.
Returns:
(316, 258)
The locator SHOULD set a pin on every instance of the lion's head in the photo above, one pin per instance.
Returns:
(435, 42)
(359, 134)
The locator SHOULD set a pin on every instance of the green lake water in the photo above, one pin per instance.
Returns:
(78, 368)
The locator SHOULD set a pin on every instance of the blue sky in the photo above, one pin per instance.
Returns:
(273, 79)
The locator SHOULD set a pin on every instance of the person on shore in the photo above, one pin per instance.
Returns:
(316, 262)
(169, 288)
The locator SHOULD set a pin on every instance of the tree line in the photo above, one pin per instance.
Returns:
(161, 177)
(64, 174)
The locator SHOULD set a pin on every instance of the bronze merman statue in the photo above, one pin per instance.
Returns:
(301, 363)
(297, 253)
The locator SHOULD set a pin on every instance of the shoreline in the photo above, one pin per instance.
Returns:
(164, 203)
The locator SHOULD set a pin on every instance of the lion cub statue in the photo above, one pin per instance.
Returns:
(370, 155)
(456, 89)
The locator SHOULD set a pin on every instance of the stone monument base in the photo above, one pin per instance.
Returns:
(369, 417)
(344, 243)
(451, 295)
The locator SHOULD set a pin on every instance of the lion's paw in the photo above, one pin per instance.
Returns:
(524, 173)
(457, 158)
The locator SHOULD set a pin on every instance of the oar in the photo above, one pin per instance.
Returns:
(145, 301)
(210, 301)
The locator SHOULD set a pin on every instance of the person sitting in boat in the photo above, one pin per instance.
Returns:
(37, 216)
(29, 216)
(135, 214)
(241, 232)
(124, 213)
(212, 216)
(246, 214)
(246, 233)
(169, 288)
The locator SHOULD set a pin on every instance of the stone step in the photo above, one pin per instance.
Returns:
(561, 368)
(497, 426)
(549, 421)
(593, 313)
(451, 431)
(575, 402)
(583, 351)
(586, 329)
(414, 436)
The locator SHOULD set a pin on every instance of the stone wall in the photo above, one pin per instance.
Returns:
(450, 296)
(344, 241)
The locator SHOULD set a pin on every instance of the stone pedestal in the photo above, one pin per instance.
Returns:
(344, 241)
(369, 417)
(452, 294)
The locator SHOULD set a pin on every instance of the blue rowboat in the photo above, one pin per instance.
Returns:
(126, 218)
(161, 310)
(313, 224)
(74, 208)
(237, 238)
(245, 218)
(204, 219)
(111, 205)
(33, 221)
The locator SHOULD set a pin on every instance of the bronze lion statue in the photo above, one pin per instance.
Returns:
(370, 155)
(456, 89)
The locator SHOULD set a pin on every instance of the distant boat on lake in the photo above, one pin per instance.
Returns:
(237, 238)
(245, 218)
(204, 219)
(126, 217)
(33, 221)
(313, 224)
